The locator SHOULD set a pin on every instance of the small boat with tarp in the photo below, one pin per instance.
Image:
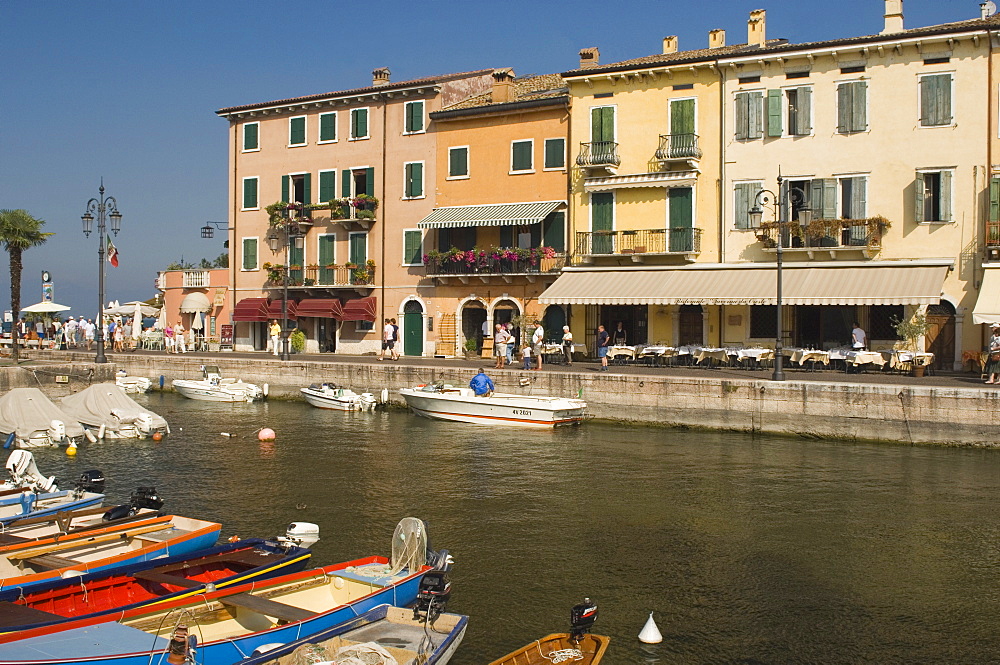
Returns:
(29, 419)
(108, 413)
(577, 646)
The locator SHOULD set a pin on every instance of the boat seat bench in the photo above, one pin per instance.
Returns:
(163, 578)
(13, 614)
(52, 562)
(265, 606)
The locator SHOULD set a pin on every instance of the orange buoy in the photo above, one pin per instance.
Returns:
(157, 436)
(266, 434)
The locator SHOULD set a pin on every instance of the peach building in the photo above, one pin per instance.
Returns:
(190, 294)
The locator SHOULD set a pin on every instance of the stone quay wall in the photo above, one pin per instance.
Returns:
(55, 379)
(848, 411)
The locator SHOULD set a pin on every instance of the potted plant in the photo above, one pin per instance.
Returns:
(297, 340)
(213, 344)
(912, 330)
(470, 349)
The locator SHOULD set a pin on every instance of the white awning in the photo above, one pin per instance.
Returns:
(495, 214)
(987, 309)
(195, 302)
(668, 179)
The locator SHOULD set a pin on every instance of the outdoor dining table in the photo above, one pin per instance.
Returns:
(712, 354)
(803, 356)
(658, 353)
(906, 360)
(857, 359)
(621, 354)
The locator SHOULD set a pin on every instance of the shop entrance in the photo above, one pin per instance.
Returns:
(691, 325)
(413, 329)
(940, 339)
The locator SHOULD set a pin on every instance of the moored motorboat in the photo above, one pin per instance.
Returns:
(214, 388)
(442, 401)
(29, 419)
(332, 396)
(107, 412)
(28, 494)
(132, 385)
(577, 646)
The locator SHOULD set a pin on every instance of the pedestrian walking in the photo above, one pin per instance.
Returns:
(567, 344)
(395, 339)
(179, 341)
(602, 347)
(537, 337)
(274, 332)
(388, 343)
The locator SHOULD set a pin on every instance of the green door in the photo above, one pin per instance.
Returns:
(601, 222)
(602, 134)
(682, 143)
(413, 333)
(296, 257)
(681, 220)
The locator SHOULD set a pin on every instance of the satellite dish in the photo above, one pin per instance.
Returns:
(989, 8)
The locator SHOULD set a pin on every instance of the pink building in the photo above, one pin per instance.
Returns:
(189, 292)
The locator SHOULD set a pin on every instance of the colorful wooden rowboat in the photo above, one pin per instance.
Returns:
(66, 526)
(559, 648)
(147, 583)
(230, 624)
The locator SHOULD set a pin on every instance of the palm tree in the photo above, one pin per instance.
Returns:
(18, 232)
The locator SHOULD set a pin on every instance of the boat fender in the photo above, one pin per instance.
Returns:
(71, 448)
(27, 501)
(264, 648)
(225, 434)
(100, 432)
(384, 395)
(162, 380)
(90, 435)
(266, 389)
(650, 634)
(8, 444)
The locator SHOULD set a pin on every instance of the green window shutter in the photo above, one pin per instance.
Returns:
(859, 195)
(411, 247)
(817, 197)
(296, 131)
(306, 189)
(774, 113)
(682, 116)
(554, 231)
(803, 111)
(935, 100)
(918, 198)
(742, 114)
(944, 100)
(458, 162)
(859, 113)
(602, 124)
(284, 188)
(250, 192)
(326, 249)
(555, 153)
(414, 116)
(829, 189)
(328, 127)
(370, 181)
(681, 207)
(250, 136)
(359, 123)
(741, 205)
(845, 108)
(249, 253)
(945, 197)
(602, 211)
(359, 248)
(755, 118)
(296, 255)
(327, 186)
(345, 183)
(414, 185)
(994, 199)
(521, 157)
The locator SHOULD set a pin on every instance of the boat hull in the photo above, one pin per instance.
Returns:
(350, 401)
(46, 504)
(499, 409)
(201, 391)
(558, 647)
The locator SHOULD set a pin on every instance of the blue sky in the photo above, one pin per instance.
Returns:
(127, 90)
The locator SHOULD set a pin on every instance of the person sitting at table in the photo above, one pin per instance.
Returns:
(993, 363)
(481, 384)
(618, 337)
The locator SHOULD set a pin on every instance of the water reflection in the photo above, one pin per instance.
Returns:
(747, 549)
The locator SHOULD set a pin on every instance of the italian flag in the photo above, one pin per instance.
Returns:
(112, 253)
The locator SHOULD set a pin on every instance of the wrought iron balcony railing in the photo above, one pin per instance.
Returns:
(321, 277)
(639, 242)
(599, 153)
(496, 266)
(678, 146)
(823, 234)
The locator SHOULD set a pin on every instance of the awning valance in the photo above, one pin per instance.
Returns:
(496, 214)
(658, 179)
(360, 309)
(847, 284)
(320, 308)
(274, 309)
(196, 302)
(987, 309)
(250, 309)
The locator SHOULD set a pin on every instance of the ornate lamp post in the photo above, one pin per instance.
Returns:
(794, 199)
(293, 233)
(106, 207)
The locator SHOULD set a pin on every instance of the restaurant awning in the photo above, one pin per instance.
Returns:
(360, 309)
(250, 309)
(847, 283)
(195, 302)
(987, 309)
(274, 309)
(320, 308)
(495, 214)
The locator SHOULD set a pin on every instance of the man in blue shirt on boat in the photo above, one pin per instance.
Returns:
(481, 384)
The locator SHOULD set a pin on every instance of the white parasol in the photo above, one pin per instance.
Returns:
(198, 322)
(45, 308)
(137, 321)
(161, 321)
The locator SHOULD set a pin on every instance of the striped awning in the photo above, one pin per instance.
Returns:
(631, 181)
(195, 302)
(274, 309)
(495, 214)
(360, 309)
(320, 308)
(250, 309)
(843, 284)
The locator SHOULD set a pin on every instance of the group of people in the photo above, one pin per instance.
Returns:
(175, 338)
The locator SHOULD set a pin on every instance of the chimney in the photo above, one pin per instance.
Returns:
(380, 77)
(893, 17)
(716, 38)
(503, 85)
(589, 57)
(755, 28)
(670, 44)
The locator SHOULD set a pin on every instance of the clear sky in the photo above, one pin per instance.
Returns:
(127, 89)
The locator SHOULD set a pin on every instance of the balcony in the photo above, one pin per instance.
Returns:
(197, 279)
(353, 211)
(831, 237)
(678, 148)
(486, 267)
(321, 277)
(992, 241)
(639, 245)
(600, 154)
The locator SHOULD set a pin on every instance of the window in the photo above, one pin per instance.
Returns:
(461, 237)
(413, 180)
(852, 107)
(881, 321)
(554, 231)
(797, 103)
(520, 156)
(458, 162)
(358, 180)
(413, 247)
(297, 130)
(327, 186)
(297, 188)
(359, 124)
(935, 100)
(327, 127)
(555, 153)
(413, 117)
(602, 222)
(250, 193)
(326, 255)
(933, 196)
(763, 321)
(853, 197)
(602, 126)
(251, 137)
(358, 248)
(250, 254)
(749, 123)
(745, 197)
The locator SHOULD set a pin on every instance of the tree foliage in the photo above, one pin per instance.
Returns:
(19, 231)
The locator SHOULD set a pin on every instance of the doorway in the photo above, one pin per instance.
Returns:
(473, 318)
(506, 311)
(940, 338)
(633, 319)
(553, 322)
(691, 325)
(413, 328)
(823, 327)
(326, 335)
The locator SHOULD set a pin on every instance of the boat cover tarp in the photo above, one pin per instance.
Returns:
(27, 410)
(106, 404)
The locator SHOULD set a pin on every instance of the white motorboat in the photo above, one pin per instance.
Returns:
(215, 388)
(27, 493)
(442, 401)
(29, 419)
(133, 385)
(332, 396)
(107, 412)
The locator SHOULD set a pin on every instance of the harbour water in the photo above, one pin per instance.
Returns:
(746, 549)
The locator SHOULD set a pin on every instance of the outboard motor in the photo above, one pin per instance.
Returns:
(142, 497)
(57, 431)
(300, 534)
(24, 473)
(144, 423)
(432, 596)
(582, 618)
(90, 481)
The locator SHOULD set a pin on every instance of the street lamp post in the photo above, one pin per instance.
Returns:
(293, 230)
(794, 199)
(106, 207)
